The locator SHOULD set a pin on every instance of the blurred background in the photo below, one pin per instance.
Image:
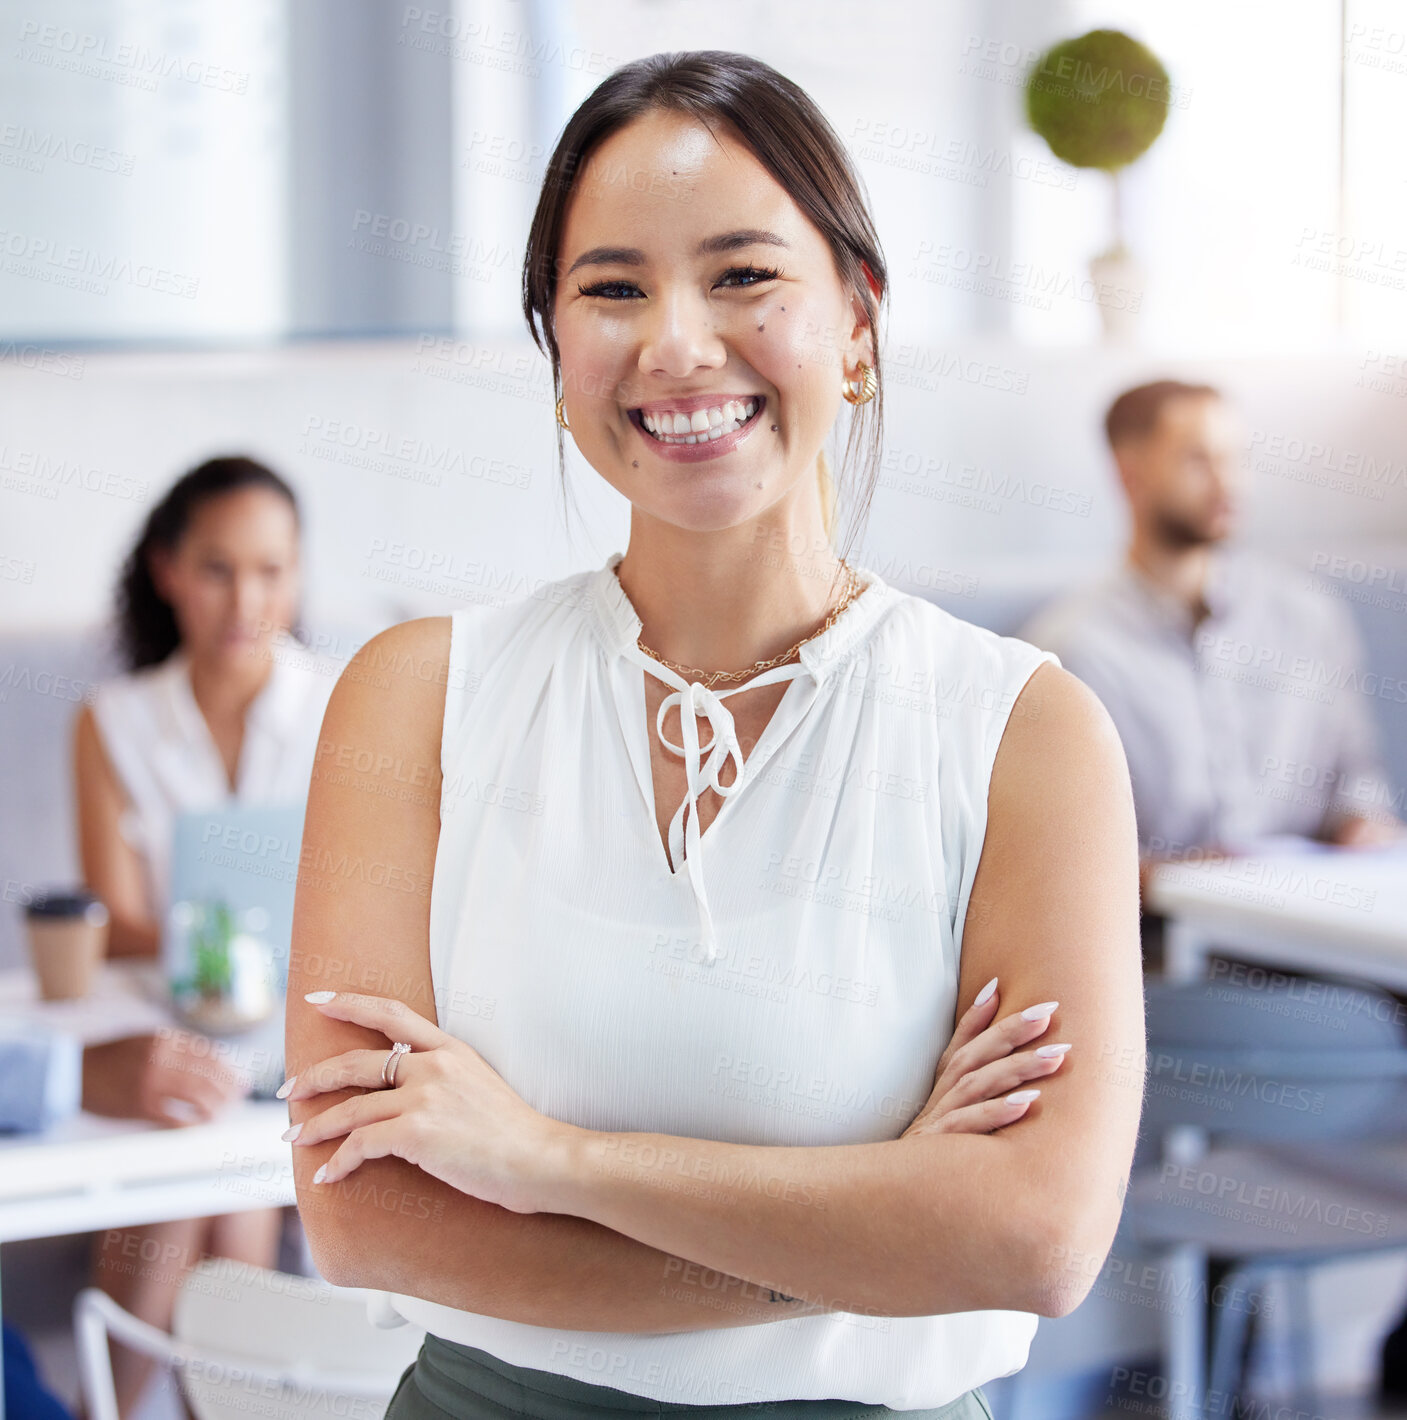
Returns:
(293, 229)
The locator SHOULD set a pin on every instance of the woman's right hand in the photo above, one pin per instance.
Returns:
(158, 1076)
(980, 1084)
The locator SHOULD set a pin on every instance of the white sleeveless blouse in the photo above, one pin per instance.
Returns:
(792, 982)
(162, 752)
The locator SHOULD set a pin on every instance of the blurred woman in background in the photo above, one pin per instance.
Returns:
(206, 715)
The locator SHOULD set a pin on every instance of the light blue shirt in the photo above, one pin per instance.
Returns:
(1257, 720)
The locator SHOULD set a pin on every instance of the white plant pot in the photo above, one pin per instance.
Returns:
(1119, 284)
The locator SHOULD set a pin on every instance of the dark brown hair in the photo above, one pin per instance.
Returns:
(788, 135)
(1134, 415)
(146, 625)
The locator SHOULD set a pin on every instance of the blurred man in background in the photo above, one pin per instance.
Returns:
(1235, 683)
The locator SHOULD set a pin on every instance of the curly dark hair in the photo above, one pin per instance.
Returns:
(146, 625)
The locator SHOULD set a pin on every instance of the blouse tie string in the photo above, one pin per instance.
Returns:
(700, 774)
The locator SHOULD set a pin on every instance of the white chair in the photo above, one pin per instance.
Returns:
(246, 1337)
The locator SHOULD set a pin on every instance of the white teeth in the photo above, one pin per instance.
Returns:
(702, 426)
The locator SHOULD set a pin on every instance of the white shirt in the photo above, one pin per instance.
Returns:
(161, 749)
(1257, 721)
(793, 982)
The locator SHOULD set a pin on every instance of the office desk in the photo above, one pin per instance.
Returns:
(1290, 907)
(1337, 912)
(91, 1172)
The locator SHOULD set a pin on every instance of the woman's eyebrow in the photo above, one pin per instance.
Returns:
(609, 256)
(748, 237)
(710, 246)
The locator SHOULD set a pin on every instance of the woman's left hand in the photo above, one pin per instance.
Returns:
(449, 1112)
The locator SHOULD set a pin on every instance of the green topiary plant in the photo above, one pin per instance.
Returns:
(1099, 101)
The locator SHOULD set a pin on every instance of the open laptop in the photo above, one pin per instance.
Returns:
(247, 859)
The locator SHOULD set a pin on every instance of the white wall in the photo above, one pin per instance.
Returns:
(448, 451)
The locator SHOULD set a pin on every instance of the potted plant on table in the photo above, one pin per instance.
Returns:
(230, 985)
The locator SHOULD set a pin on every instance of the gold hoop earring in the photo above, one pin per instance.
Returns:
(868, 382)
(561, 414)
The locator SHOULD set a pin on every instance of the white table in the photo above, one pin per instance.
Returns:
(92, 1172)
(1290, 906)
(1304, 908)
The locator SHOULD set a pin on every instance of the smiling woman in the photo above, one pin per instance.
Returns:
(804, 256)
(682, 1125)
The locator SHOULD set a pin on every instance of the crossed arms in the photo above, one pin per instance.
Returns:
(1018, 1219)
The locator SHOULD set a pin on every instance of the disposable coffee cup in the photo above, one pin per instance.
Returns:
(67, 939)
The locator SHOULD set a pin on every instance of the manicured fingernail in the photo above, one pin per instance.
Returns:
(985, 994)
(1022, 1097)
(1047, 1051)
(284, 1088)
(1035, 1013)
(320, 1174)
(290, 1134)
(319, 998)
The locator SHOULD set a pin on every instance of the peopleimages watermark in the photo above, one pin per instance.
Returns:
(923, 366)
(1375, 47)
(1135, 1282)
(954, 159)
(1361, 793)
(1357, 580)
(1384, 373)
(16, 569)
(927, 475)
(1324, 465)
(447, 570)
(1367, 259)
(55, 263)
(1277, 668)
(42, 359)
(421, 244)
(504, 155)
(753, 973)
(136, 65)
(25, 679)
(800, 1092)
(24, 147)
(1276, 882)
(495, 46)
(29, 471)
(987, 57)
(947, 580)
(407, 456)
(1301, 997)
(1022, 283)
(1160, 1393)
(1274, 1206)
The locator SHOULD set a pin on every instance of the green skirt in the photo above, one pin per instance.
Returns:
(448, 1381)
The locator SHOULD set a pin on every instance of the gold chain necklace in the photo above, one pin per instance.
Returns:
(853, 585)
